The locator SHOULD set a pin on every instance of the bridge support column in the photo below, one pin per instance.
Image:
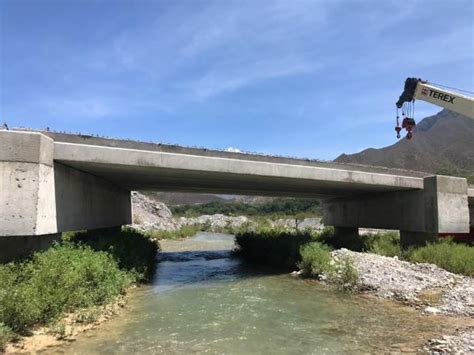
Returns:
(40, 197)
(441, 207)
(350, 235)
(471, 212)
(408, 239)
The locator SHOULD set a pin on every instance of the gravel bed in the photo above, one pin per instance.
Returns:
(462, 342)
(426, 286)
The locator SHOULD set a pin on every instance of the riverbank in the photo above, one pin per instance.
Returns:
(426, 287)
(68, 328)
(72, 287)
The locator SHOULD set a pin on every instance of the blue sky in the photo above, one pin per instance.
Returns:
(301, 78)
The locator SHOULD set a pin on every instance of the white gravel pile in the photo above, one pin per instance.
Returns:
(215, 221)
(312, 223)
(409, 282)
(460, 343)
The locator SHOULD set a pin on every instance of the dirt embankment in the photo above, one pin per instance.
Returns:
(67, 329)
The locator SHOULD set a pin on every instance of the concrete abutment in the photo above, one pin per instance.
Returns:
(420, 215)
(40, 198)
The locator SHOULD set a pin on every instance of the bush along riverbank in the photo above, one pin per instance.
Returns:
(75, 281)
(435, 278)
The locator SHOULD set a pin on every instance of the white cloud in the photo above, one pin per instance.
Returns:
(233, 150)
(223, 81)
(86, 107)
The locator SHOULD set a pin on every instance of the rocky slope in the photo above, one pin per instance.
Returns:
(151, 214)
(441, 143)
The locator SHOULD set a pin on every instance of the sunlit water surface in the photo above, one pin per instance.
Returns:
(204, 300)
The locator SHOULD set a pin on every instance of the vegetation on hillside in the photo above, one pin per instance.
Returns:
(83, 271)
(278, 207)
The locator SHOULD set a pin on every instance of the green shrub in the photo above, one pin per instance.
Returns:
(59, 280)
(134, 251)
(345, 275)
(276, 247)
(6, 335)
(315, 260)
(387, 244)
(454, 257)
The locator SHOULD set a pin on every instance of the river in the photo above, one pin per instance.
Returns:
(205, 300)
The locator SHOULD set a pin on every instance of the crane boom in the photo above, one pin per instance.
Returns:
(423, 90)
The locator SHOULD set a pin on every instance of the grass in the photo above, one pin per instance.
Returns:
(83, 272)
(454, 257)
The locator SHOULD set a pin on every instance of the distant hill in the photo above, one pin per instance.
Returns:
(441, 144)
(190, 198)
(182, 198)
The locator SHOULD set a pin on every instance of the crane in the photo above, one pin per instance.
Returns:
(417, 89)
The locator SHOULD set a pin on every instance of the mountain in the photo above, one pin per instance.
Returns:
(441, 144)
(190, 198)
(182, 198)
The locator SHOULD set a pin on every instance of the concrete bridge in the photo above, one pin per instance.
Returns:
(54, 182)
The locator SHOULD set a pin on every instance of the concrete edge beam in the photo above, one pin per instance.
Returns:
(67, 152)
(26, 147)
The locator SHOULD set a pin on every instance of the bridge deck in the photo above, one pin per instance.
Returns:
(151, 166)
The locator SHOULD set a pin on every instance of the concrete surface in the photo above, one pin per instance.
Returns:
(27, 206)
(85, 201)
(39, 196)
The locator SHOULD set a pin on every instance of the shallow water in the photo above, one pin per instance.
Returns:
(204, 300)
